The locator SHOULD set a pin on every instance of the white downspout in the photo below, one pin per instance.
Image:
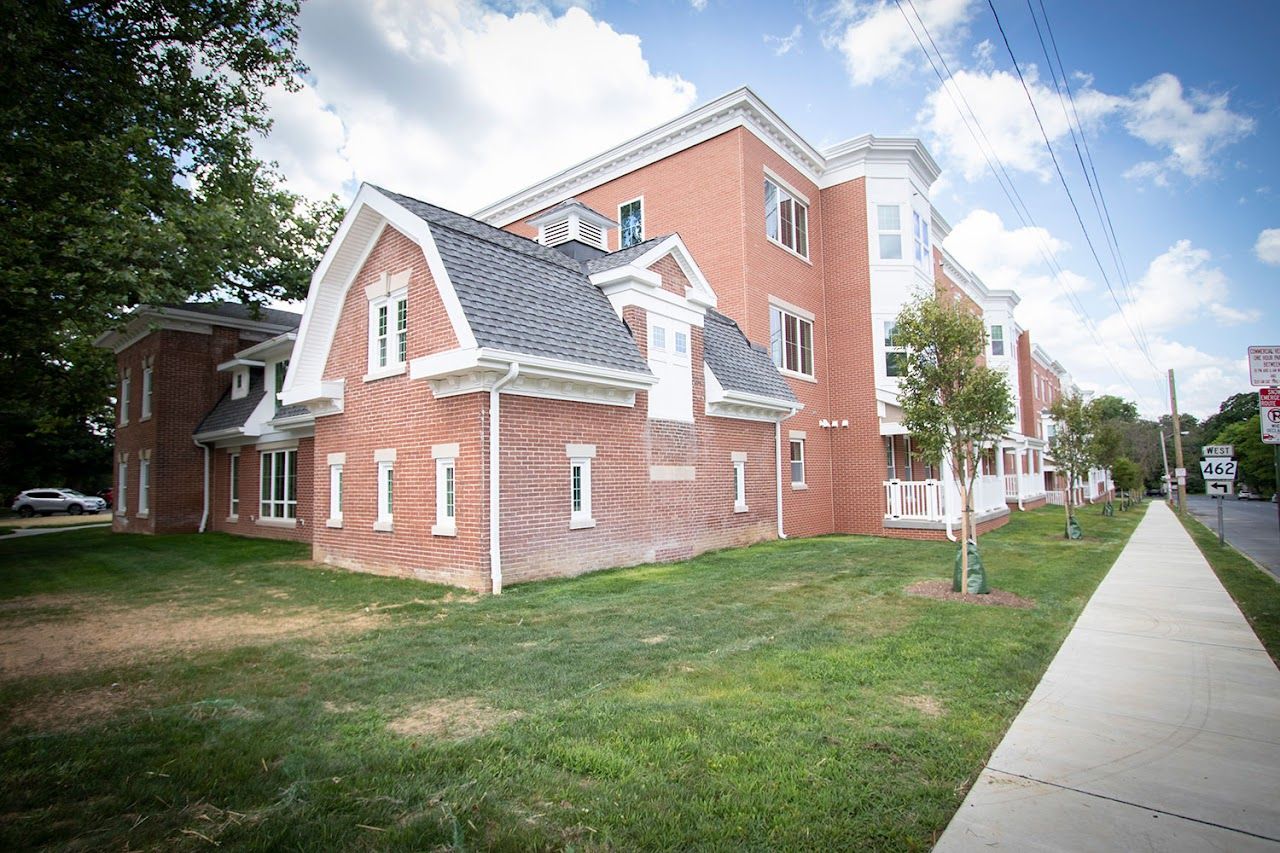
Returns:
(946, 516)
(1020, 464)
(204, 515)
(777, 458)
(495, 546)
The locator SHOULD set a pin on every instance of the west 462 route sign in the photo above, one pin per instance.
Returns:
(1218, 469)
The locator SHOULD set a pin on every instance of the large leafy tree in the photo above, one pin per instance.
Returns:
(1237, 408)
(126, 176)
(952, 404)
(1072, 445)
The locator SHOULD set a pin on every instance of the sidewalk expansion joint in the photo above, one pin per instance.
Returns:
(1135, 805)
(1259, 650)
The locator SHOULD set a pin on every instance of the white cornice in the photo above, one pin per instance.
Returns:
(145, 319)
(741, 405)
(466, 371)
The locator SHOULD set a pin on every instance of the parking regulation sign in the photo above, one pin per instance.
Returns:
(1264, 366)
(1269, 408)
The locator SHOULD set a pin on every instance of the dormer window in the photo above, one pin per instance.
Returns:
(240, 383)
(388, 325)
(631, 223)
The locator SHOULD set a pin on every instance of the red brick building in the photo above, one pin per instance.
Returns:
(683, 343)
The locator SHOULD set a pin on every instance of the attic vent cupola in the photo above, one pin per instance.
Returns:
(574, 229)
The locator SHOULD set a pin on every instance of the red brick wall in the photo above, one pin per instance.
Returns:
(1026, 386)
(395, 412)
(185, 387)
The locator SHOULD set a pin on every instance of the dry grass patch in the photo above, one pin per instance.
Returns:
(941, 590)
(655, 639)
(930, 706)
(452, 719)
(69, 710)
(94, 636)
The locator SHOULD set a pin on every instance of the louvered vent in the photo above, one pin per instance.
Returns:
(591, 234)
(576, 229)
(555, 233)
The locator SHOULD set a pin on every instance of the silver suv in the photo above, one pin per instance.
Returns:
(49, 501)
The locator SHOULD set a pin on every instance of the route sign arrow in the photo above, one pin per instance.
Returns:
(1218, 488)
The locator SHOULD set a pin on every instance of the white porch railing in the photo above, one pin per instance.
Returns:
(1057, 496)
(988, 493)
(1032, 485)
(1010, 487)
(917, 500)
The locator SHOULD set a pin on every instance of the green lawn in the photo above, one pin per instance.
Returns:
(787, 695)
(1256, 593)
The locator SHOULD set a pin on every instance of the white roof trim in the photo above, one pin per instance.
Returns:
(699, 292)
(739, 108)
(370, 213)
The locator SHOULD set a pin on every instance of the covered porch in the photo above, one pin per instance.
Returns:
(924, 495)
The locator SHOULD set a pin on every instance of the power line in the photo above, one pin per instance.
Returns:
(1067, 188)
(1005, 183)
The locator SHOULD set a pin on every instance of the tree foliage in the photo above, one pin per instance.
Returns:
(127, 176)
(1236, 409)
(1127, 476)
(951, 403)
(1072, 445)
(1109, 407)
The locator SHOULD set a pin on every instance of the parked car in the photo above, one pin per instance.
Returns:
(49, 501)
(1244, 493)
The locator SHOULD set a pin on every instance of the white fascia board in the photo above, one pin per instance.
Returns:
(458, 361)
(269, 347)
(741, 405)
(232, 364)
(868, 154)
(699, 292)
(327, 391)
(965, 280)
(218, 435)
(941, 227)
(887, 396)
(660, 302)
(293, 422)
(613, 279)
(119, 340)
(740, 108)
(893, 428)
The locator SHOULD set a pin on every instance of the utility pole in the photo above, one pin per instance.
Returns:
(1177, 446)
(1164, 454)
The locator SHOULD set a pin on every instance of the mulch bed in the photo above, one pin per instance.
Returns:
(941, 590)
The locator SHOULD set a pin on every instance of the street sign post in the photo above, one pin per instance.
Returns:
(1264, 366)
(1219, 476)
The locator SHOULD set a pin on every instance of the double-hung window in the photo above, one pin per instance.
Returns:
(791, 341)
(631, 223)
(389, 332)
(906, 462)
(889, 225)
(125, 382)
(386, 489)
(278, 496)
(786, 219)
(446, 499)
(282, 369)
(122, 485)
(580, 456)
(920, 233)
(797, 461)
(144, 484)
(335, 490)
(997, 340)
(891, 465)
(739, 482)
(233, 485)
(895, 355)
(146, 391)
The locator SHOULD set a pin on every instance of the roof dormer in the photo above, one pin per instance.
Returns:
(575, 229)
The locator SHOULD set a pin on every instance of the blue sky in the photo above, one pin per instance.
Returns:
(460, 102)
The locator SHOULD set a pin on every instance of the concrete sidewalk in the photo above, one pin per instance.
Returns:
(1156, 727)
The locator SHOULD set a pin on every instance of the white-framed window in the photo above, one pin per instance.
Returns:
(144, 484)
(446, 499)
(386, 494)
(786, 219)
(797, 461)
(920, 234)
(791, 341)
(580, 456)
(658, 338)
(281, 370)
(389, 331)
(233, 485)
(891, 466)
(147, 383)
(895, 355)
(122, 485)
(335, 494)
(278, 493)
(739, 482)
(126, 381)
(631, 223)
(682, 343)
(906, 462)
(239, 385)
(997, 340)
(889, 227)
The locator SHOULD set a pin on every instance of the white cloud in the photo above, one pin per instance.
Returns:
(1005, 117)
(1267, 248)
(783, 44)
(876, 42)
(1178, 288)
(1191, 128)
(698, 5)
(1188, 130)
(459, 104)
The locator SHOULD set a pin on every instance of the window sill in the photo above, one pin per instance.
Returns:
(144, 418)
(791, 374)
(799, 487)
(581, 523)
(740, 508)
(444, 530)
(334, 522)
(385, 372)
(790, 251)
(277, 522)
(233, 519)
(384, 526)
(143, 514)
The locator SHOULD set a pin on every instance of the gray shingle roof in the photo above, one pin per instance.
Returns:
(290, 412)
(738, 364)
(622, 257)
(524, 297)
(231, 413)
(239, 311)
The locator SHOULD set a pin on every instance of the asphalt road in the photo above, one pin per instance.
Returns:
(1251, 526)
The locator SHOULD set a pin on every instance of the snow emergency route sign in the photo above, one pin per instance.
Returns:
(1269, 409)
